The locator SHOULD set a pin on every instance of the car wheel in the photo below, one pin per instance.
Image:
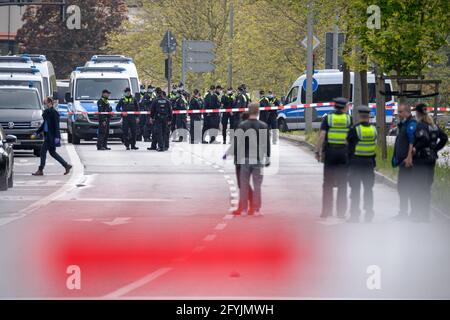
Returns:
(75, 139)
(282, 125)
(11, 180)
(69, 136)
(37, 152)
(3, 180)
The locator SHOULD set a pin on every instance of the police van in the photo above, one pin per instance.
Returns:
(47, 72)
(21, 71)
(85, 89)
(327, 85)
(118, 61)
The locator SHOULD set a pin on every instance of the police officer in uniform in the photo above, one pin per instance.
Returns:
(273, 116)
(227, 102)
(211, 119)
(173, 96)
(161, 115)
(263, 103)
(103, 121)
(181, 104)
(362, 151)
(429, 140)
(332, 147)
(241, 101)
(129, 121)
(196, 103)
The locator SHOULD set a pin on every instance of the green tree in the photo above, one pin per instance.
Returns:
(44, 33)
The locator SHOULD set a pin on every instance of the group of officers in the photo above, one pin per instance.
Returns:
(348, 152)
(160, 120)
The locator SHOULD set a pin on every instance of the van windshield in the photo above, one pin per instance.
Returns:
(19, 99)
(22, 83)
(91, 89)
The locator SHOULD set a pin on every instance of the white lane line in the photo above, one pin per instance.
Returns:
(19, 198)
(113, 200)
(137, 284)
(234, 195)
(209, 237)
(234, 201)
(220, 226)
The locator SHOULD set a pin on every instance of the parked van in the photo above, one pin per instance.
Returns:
(327, 85)
(47, 71)
(21, 115)
(118, 61)
(85, 89)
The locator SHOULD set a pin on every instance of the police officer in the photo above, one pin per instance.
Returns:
(161, 115)
(333, 143)
(273, 116)
(181, 104)
(129, 121)
(211, 119)
(196, 103)
(241, 101)
(173, 96)
(103, 121)
(362, 150)
(141, 127)
(146, 104)
(429, 140)
(227, 102)
(263, 103)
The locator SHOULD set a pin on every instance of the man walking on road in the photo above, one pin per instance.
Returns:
(103, 121)
(332, 145)
(362, 142)
(251, 153)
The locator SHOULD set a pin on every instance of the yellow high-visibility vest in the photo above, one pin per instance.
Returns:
(367, 145)
(339, 125)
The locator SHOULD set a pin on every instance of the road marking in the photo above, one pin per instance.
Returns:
(117, 221)
(228, 217)
(137, 284)
(220, 226)
(234, 201)
(234, 195)
(38, 183)
(209, 237)
(84, 220)
(19, 198)
(113, 200)
(329, 222)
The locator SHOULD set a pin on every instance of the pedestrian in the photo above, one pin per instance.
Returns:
(129, 121)
(227, 120)
(244, 116)
(161, 115)
(251, 153)
(195, 118)
(362, 144)
(429, 140)
(52, 137)
(333, 150)
(403, 159)
(103, 105)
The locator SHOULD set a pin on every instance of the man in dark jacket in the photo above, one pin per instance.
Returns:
(252, 153)
(129, 121)
(196, 103)
(52, 138)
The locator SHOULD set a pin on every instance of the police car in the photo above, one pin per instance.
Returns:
(327, 85)
(118, 61)
(85, 89)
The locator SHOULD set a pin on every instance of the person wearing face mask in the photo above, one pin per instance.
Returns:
(52, 137)
(227, 117)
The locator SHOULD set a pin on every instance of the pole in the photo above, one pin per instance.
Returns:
(381, 114)
(309, 67)
(230, 48)
(183, 62)
(169, 67)
(336, 44)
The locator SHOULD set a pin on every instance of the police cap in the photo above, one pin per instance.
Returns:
(106, 91)
(340, 102)
(127, 89)
(364, 109)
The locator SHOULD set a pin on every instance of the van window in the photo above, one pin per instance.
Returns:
(324, 93)
(134, 85)
(292, 96)
(372, 92)
(22, 83)
(91, 89)
(22, 99)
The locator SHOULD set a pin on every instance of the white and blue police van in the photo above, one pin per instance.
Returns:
(47, 72)
(327, 85)
(21, 71)
(118, 61)
(85, 89)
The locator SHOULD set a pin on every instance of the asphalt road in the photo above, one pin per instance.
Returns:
(141, 224)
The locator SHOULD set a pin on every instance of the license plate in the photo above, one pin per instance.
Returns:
(111, 131)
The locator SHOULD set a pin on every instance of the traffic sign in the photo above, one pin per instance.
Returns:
(200, 67)
(168, 43)
(315, 85)
(316, 42)
(197, 56)
(200, 45)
